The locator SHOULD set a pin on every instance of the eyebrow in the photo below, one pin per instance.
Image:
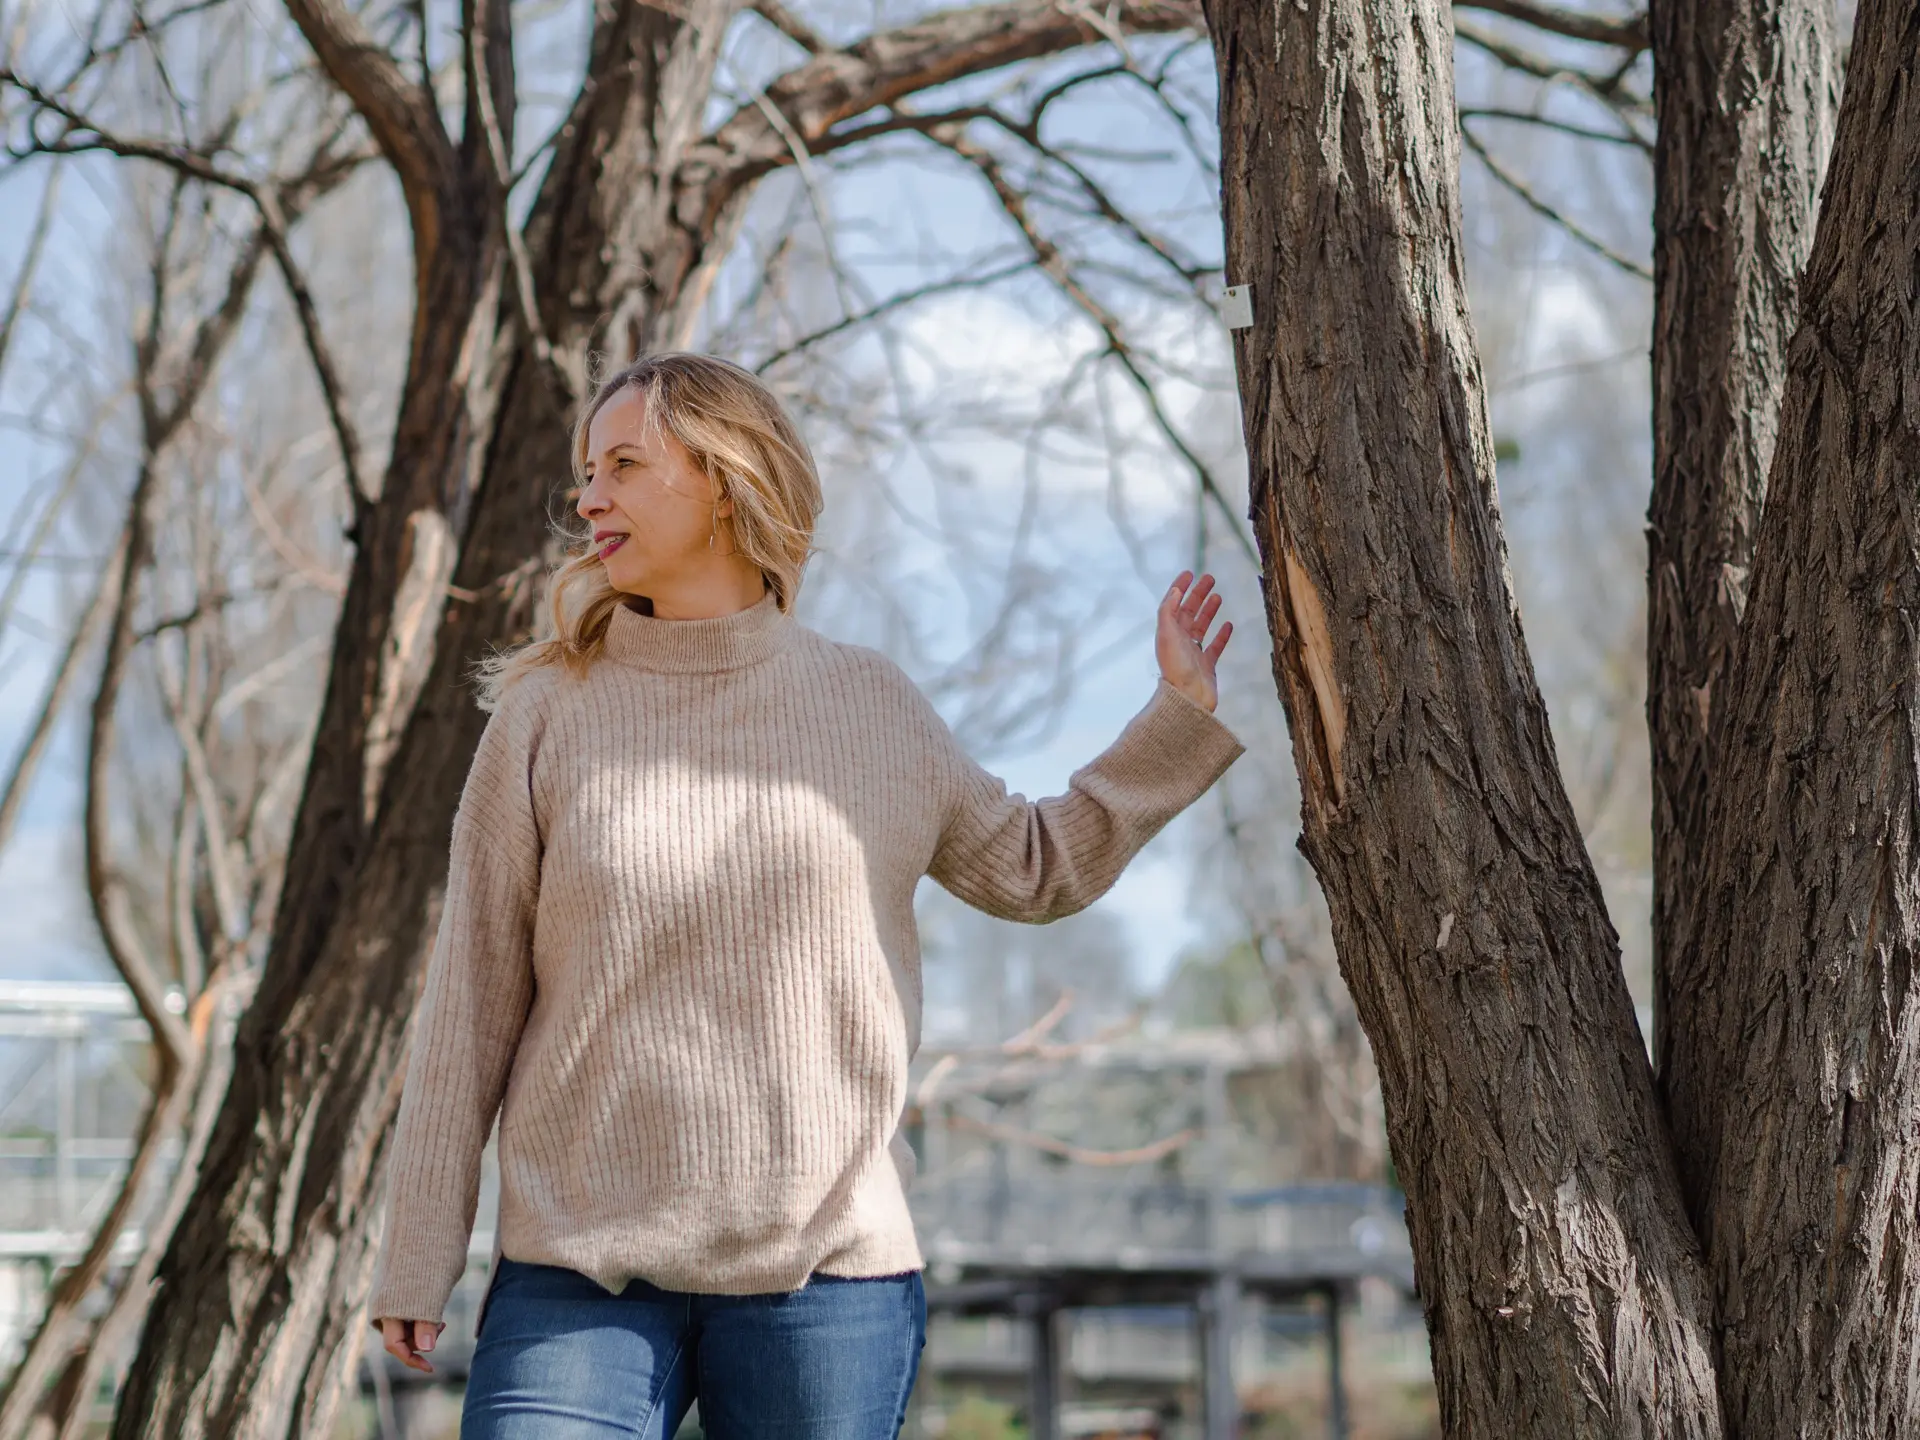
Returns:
(616, 449)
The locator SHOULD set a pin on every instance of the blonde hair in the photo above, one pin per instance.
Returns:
(743, 441)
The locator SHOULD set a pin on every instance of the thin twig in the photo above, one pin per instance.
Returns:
(1572, 227)
(29, 263)
(1579, 132)
(1054, 263)
(1610, 88)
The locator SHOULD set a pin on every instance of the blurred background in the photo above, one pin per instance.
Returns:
(1155, 1194)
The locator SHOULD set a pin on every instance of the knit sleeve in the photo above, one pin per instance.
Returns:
(472, 1009)
(1040, 860)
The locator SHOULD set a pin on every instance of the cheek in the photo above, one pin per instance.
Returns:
(660, 528)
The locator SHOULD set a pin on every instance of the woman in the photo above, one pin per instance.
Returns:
(677, 953)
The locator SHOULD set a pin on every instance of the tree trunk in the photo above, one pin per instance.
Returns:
(1795, 981)
(1563, 1288)
(1745, 92)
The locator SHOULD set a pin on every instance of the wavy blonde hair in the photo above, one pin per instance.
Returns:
(742, 439)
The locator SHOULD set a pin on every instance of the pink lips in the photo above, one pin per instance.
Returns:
(610, 544)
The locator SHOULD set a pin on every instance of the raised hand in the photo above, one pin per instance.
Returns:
(1185, 659)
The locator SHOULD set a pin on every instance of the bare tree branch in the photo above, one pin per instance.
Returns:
(19, 782)
(891, 303)
(1520, 188)
(497, 150)
(1609, 87)
(1628, 32)
(29, 264)
(274, 224)
(1054, 263)
(30, 551)
(1578, 132)
(403, 117)
(278, 204)
(886, 67)
(790, 25)
(206, 795)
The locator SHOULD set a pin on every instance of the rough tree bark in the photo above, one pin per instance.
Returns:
(1794, 983)
(1564, 1290)
(258, 1322)
(1744, 92)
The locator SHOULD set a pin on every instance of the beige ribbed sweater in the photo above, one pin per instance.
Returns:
(677, 953)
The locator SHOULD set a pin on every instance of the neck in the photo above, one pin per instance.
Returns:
(721, 591)
(698, 643)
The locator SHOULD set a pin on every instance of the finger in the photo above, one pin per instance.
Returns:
(1170, 602)
(1195, 594)
(416, 1359)
(1212, 652)
(1205, 617)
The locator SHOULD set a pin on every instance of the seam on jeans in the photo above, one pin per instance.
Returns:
(908, 1369)
(653, 1402)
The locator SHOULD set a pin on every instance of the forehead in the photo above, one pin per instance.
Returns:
(622, 420)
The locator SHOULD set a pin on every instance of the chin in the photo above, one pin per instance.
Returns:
(626, 580)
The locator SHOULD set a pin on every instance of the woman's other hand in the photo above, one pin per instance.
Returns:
(408, 1340)
(1186, 661)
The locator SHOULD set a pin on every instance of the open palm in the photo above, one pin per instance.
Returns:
(1179, 643)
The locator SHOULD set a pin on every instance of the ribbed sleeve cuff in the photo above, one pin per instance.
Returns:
(1174, 735)
(408, 1290)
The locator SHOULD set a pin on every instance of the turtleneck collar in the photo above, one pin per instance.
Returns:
(715, 642)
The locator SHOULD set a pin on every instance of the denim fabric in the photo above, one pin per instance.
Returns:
(558, 1358)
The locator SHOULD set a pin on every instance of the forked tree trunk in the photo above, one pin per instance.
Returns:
(1745, 92)
(1795, 984)
(1564, 1291)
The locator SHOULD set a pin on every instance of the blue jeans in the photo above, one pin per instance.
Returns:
(558, 1358)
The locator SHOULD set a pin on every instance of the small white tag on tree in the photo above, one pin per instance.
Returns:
(1236, 306)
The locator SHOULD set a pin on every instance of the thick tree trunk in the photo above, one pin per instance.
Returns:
(1795, 984)
(1563, 1288)
(1745, 91)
